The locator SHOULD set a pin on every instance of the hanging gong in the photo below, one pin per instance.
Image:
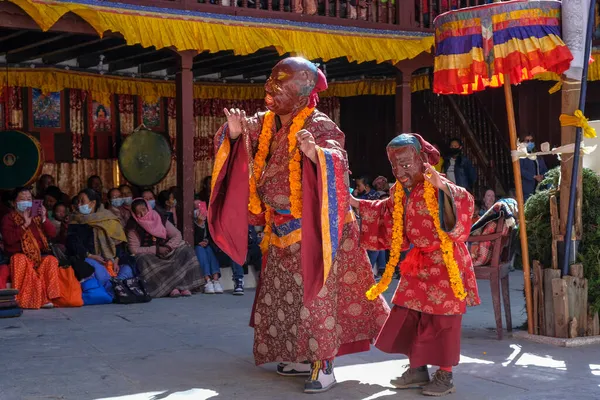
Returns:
(145, 157)
(21, 159)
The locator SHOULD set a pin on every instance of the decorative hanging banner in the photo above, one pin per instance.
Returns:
(476, 47)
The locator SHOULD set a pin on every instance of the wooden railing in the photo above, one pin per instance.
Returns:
(409, 15)
(462, 117)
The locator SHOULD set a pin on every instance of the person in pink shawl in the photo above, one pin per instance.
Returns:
(167, 264)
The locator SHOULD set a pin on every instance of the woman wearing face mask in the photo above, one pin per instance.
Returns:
(148, 195)
(127, 196)
(166, 263)
(96, 236)
(34, 272)
(115, 205)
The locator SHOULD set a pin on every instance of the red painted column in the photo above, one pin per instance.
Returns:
(403, 101)
(185, 144)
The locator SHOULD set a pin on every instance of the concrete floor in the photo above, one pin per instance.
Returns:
(201, 348)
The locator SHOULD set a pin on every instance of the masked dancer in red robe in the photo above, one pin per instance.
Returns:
(310, 305)
(433, 215)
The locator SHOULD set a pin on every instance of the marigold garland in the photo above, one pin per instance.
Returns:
(295, 178)
(446, 246)
(397, 234)
(295, 166)
(260, 158)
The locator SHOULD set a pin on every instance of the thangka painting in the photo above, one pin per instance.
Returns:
(101, 117)
(152, 115)
(46, 109)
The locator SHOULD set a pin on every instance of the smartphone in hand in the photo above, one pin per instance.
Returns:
(36, 207)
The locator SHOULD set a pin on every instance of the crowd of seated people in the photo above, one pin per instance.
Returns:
(105, 237)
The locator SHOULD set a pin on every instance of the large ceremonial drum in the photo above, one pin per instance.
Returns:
(145, 157)
(21, 159)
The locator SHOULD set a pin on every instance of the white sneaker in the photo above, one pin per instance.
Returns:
(294, 369)
(218, 287)
(323, 383)
(209, 288)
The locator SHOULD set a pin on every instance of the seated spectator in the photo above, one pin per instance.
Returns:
(115, 205)
(96, 236)
(489, 199)
(206, 256)
(364, 190)
(74, 209)
(60, 220)
(149, 196)
(42, 184)
(167, 264)
(127, 195)
(382, 186)
(33, 270)
(166, 204)
(94, 182)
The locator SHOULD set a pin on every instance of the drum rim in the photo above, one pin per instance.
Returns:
(162, 136)
(41, 160)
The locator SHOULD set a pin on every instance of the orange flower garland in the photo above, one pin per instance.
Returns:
(264, 143)
(295, 166)
(260, 158)
(397, 234)
(446, 246)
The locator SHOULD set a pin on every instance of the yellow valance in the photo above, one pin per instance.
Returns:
(103, 86)
(189, 30)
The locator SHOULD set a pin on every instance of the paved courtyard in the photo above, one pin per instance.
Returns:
(201, 348)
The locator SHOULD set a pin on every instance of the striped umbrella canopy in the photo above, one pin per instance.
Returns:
(475, 47)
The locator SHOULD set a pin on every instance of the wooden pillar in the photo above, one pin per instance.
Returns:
(570, 102)
(403, 101)
(185, 144)
(403, 89)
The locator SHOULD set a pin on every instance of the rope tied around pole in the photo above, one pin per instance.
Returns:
(579, 120)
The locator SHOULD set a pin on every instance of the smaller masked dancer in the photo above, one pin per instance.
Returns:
(432, 215)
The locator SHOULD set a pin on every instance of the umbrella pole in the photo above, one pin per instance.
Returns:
(512, 130)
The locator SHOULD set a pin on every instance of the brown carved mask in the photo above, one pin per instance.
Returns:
(289, 87)
(407, 165)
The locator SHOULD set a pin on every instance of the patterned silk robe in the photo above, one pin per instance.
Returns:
(429, 290)
(310, 304)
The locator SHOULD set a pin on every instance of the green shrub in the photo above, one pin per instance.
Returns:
(539, 233)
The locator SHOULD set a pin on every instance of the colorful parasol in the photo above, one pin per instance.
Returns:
(496, 45)
(477, 46)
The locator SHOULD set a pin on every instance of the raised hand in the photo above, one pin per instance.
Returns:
(433, 177)
(236, 121)
(307, 144)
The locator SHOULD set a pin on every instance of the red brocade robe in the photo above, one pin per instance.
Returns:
(428, 291)
(310, 304)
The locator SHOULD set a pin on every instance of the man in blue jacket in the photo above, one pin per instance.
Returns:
(458, 168)
(532, 171)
